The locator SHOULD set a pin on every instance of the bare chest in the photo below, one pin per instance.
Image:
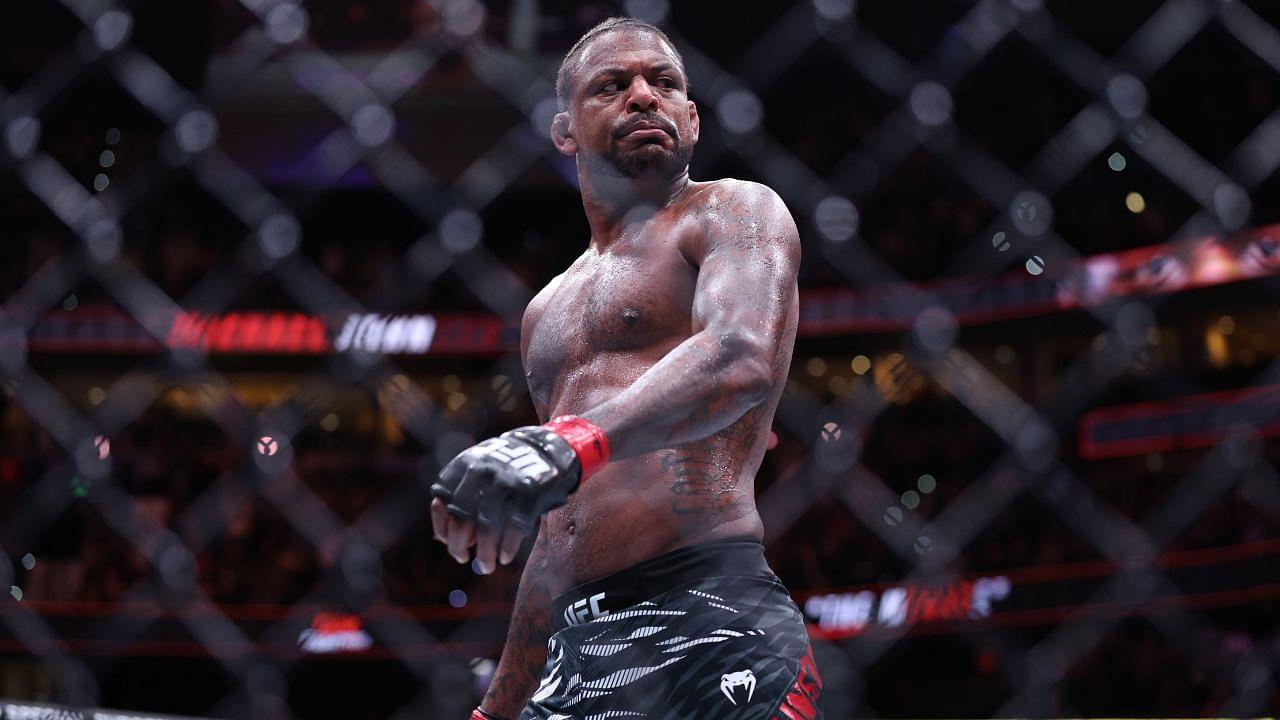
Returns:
(608, 305)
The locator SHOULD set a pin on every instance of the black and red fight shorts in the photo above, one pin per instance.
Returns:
(704, 632)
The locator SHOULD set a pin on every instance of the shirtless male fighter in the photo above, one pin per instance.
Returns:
(656, 361)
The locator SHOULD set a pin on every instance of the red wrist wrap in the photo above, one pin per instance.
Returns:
(587, 440)
(479, 714)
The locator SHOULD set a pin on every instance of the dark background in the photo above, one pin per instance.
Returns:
(918, 215)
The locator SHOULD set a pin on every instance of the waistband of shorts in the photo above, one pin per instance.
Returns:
(652, 577)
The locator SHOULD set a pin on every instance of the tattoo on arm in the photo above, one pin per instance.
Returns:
(525, 654)
(744, 317)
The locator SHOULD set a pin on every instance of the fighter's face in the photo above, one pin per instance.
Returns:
(629, 105)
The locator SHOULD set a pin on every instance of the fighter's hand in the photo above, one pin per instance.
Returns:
(492, 494)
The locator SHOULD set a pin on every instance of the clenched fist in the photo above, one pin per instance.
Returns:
(492, 494)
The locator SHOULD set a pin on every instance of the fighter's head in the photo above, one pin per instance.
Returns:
(623, 98)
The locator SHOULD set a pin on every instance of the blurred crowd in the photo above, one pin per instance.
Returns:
(170, 462)
(918, 214)
(169, 458)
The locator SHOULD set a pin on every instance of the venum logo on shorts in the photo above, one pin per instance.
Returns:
(585, 610)
(731, 682)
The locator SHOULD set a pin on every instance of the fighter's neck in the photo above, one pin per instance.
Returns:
(613, 203)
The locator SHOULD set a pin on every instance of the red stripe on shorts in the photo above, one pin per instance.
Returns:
(801, 702)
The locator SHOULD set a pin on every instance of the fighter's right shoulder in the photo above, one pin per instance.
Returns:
(533, 311)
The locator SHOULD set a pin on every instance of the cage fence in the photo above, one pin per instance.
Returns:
(250, 556)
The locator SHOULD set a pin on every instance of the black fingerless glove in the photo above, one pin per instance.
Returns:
(511, 479)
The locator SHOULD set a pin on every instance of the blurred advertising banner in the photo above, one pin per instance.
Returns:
(1047, 286)
(22, 710)
(1054, 287)
(1187, 422)
(1035, 596)
(1044, 595)
(107, 330)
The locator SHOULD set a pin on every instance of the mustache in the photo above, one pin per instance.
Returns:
(645, 119)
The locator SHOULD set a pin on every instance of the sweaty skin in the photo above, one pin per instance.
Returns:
(692, 314)
(673, 332)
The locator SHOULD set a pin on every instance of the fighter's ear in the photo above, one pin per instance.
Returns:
(695, 123)
(562, 134)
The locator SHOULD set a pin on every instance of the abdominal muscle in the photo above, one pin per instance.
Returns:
(641, 507)
(630, 512)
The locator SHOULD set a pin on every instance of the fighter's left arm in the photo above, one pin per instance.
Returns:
(744, 320)
(745, 310)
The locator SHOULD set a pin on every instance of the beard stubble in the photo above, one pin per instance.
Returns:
(639, 163)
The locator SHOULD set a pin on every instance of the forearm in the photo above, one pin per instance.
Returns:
(525, 653)
(699, 388)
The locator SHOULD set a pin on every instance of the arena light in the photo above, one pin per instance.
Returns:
(860, 364)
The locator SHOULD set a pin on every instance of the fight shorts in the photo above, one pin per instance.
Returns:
(707, 632)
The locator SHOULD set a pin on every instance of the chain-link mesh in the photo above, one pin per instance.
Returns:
(280, 227)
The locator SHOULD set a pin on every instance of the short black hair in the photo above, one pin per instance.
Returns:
(570, 62)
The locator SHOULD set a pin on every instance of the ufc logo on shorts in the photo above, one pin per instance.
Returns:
(521, 457)
(584, 610)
